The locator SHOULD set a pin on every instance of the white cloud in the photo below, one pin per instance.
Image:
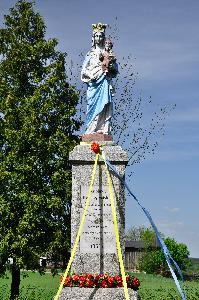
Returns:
(172, 209)
(167, 224)
(170, 228)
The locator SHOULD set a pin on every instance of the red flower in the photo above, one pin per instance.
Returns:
(82, 281)
(104, 283)
(75, 277)
(120, 284)
(90, 283)
(128, 281)
(128, 278)
(67, 281)
(97, 277)
(136, 282)
(90, 276)
(110, 281)
(118, 278)
(95, 147)
(100, 280)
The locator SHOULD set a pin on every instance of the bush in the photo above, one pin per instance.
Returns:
(154, 262)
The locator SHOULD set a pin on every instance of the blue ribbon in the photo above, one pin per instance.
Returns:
(164, 248)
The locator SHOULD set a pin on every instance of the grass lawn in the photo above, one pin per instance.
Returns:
(37, 287)
(161, 288)
(33, 286)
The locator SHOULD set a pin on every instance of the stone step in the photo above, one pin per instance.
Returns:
(78, 293)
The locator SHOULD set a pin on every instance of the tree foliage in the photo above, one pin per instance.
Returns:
(134, 233)
(153, 261)
(149, 238)
(37, 125)
(142, 233)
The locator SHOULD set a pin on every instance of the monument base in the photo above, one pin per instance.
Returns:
(78, 293)
(96, 252)
(97, 137)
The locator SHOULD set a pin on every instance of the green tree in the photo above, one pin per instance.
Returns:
(37, 125)
(153, 261)
(134, 233)
(143, 233)
(149, 237)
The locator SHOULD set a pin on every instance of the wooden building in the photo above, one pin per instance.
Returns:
(133, 251)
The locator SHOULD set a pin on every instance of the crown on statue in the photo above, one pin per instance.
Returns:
(99, 27)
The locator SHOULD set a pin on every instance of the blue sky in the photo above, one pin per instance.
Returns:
(163, 36)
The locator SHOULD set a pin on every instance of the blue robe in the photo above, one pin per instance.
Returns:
(98, 95)
(99, 98)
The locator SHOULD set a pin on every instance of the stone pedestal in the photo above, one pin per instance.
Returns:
(96, 294)
(96, 251)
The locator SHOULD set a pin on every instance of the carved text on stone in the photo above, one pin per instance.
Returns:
(98, 234)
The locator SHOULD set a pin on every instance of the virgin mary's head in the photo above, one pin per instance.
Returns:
(98, 39)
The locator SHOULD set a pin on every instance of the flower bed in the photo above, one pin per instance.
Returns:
(100, 281)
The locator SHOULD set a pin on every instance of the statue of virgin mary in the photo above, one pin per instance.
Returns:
(98, 76)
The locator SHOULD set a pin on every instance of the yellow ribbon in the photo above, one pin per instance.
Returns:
(80, 228)
(114, 215)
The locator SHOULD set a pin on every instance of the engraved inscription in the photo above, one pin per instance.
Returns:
(98, 234)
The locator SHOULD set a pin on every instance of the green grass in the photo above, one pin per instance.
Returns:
(161, 288)
(194, 266)
(44, 287)
(33, 286)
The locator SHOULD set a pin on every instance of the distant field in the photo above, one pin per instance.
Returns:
(37, 287)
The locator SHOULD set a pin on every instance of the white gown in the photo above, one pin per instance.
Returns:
(99, 108)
